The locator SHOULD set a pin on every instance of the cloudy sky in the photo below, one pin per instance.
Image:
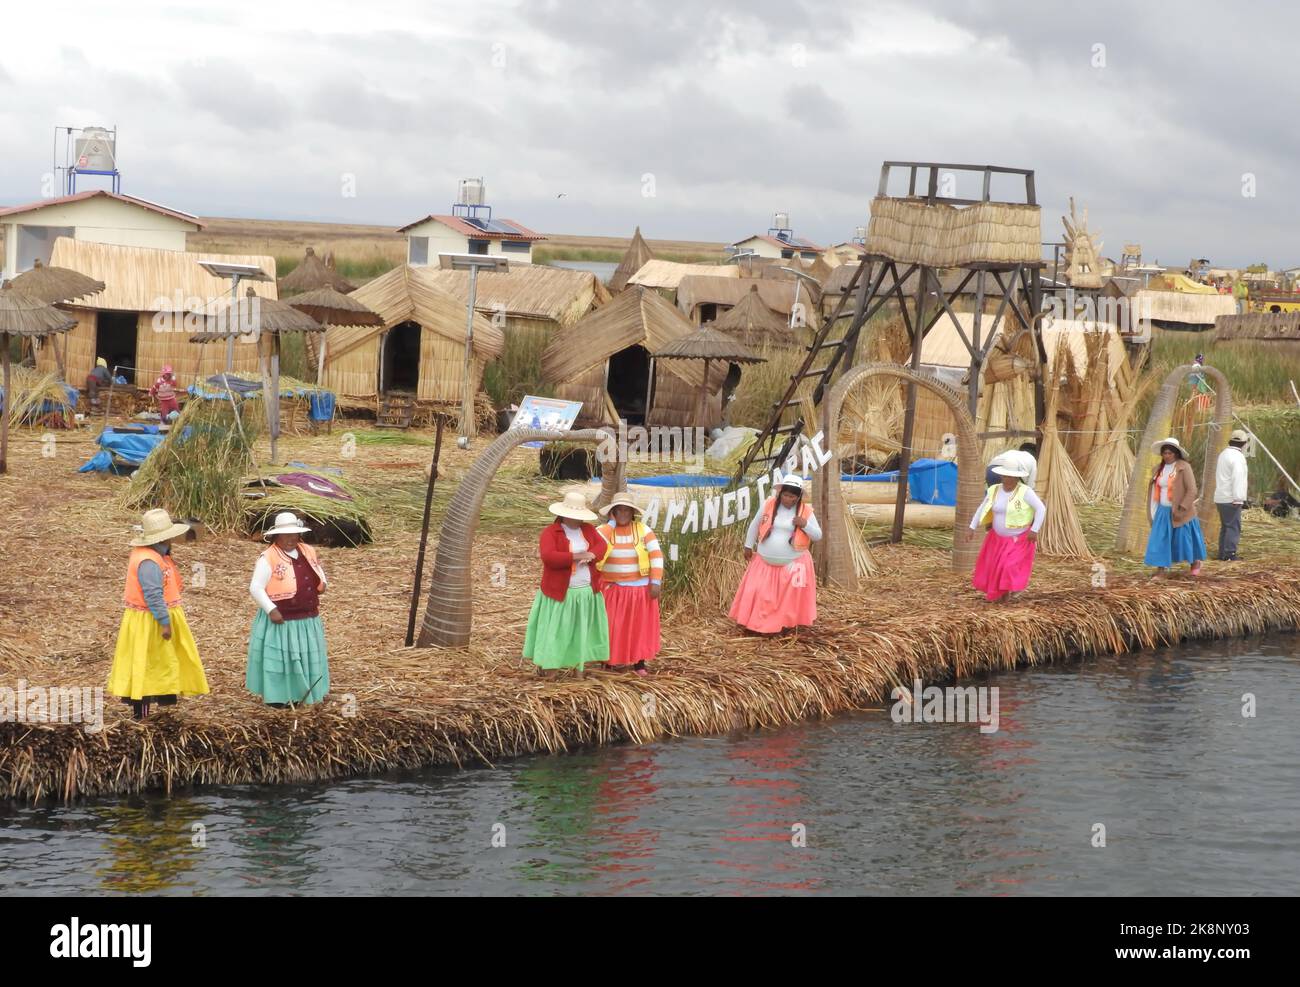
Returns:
(694, 119)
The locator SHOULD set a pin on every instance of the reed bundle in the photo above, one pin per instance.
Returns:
(1111, 463)
(333, 521)
(36, 397)
(1060, 487)
(912, 231)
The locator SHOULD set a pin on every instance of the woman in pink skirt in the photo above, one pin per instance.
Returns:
(632, 573)
(1013, 513)
(779, 589)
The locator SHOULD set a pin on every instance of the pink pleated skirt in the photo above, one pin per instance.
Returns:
(1004, 565)
(633, 623)
(771, 598)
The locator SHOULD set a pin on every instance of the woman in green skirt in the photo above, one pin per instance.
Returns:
(287, 664)
(567, 626)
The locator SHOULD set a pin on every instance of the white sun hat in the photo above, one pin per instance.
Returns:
(623, 499)
(286, 523)
(1171, 441)
(794, 481)
(574, 507)
(1011, 470)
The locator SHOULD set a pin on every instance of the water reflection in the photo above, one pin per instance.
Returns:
(152, 845)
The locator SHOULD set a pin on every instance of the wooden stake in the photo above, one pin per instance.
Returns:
(424, 536)
(9, 403)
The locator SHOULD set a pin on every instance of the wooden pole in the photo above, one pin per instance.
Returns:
(424, 536)
(274, 406)
(909, 415)
(704, 392)
(9, 403)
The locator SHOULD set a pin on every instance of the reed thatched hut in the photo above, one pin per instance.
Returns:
(756, 325)
(139, 321)
(604, 362)
(312, 273)
(665, 276)
(1185, 310)
(418, 348)
(702, 300)
(634, 258)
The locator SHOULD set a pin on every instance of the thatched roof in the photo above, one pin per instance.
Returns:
(706, 343)
(526, 291)
(326, 305)
(54, 284)
(939, 235)
(1181, 306)
(255, 314)
(1264, 326)
(312, 272)
(778, 295)
(635, 316)
(638, 252)
(413, 294)
(22, 315)
(667, 274)
(822, 270)
(753, 323)
(143, 279)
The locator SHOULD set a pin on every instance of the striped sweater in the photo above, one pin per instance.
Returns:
(621, 565)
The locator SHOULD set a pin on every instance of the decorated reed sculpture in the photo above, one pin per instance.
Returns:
(449, 612)
(1131, 527)
(840, 568)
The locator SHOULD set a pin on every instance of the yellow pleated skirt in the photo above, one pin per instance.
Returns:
(146, 665)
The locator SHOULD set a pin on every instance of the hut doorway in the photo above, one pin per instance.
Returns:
(708, 312)
(115, 338)
(627, 381)
(399, 368)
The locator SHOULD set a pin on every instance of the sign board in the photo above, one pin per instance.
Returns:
(547, 413)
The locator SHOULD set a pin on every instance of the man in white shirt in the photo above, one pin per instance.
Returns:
(1230, 494)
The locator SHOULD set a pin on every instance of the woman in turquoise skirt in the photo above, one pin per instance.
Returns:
(287, 664)
(567, 627)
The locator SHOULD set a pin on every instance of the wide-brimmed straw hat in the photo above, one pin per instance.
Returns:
(157, 526)
(286, 523)
(1018, 471)
(623, 499)
(1171, 441)
(574, 507)
(1238, 435)
(794, 481)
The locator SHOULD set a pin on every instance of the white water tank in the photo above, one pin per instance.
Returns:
(781, 221)
(96, 150)
(472, 192)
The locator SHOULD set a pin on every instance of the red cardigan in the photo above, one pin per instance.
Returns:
(557, 559)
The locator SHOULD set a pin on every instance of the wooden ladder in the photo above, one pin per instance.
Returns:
(765, 450)
(396, 412)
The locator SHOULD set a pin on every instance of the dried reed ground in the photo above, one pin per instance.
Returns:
(62, 558)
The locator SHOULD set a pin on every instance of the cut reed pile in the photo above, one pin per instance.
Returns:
(37, 398)
(1060, 486)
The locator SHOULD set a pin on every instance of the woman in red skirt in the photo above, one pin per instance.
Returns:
(779, 589)
(632, 573)
(1013, 513)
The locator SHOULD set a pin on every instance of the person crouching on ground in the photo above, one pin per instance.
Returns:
(287, 663)
(156, 659)
(164, 389)
(779, 589)
(97, 379)
(632, 575)
(1171, 506)
(567, 626)
(1014, 514)
(1230, 481)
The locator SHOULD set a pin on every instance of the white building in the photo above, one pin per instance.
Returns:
(27, 233)
(778, 242)
(470, 229)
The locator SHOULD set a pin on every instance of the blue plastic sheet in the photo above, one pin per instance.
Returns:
(681, 480)
(929, 481)
(131, 448)
(320, 406)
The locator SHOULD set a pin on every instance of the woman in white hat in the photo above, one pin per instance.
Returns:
(779, 589)
(632, 575)
(1013, 514)
(567, 627)
(1171, 505)
(287, 663)
(156, 658)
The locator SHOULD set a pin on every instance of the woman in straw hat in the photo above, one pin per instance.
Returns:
(1013, 514)
(1171, 505)
(779, 589)
(567, 627)
(632, 575)
(156, 659)
(287, 663)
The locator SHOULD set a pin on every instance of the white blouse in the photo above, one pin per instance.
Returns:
(581, 574)
(262, 576)
(776, 548)
(1163, 482)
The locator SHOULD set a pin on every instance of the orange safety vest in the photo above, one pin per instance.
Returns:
(284, 584)
(799, 540)
(171, 582)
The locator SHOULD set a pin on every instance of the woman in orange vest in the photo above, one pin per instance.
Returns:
(632, 571)
(287, 664)
(156, 658)
(779, 589)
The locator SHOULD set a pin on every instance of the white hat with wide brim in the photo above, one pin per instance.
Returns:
(157, 526)
(1018, 471)
(794, 481)
(286, 523)
(623, 499)
(1171, 441)
(574, 507)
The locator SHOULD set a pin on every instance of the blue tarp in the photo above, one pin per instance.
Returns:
(681, 480)
(320, 406)
(929, 481)
(131, 447)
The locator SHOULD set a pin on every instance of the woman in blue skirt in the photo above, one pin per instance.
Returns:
(1171, 505)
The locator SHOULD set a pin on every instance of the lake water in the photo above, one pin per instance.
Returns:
(1194, 798)
(601, 268)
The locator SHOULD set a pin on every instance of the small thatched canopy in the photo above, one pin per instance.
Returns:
(420, 340)
(313, 273)
(254, 315)
(756, 325)
(55, 284)
(605, 359)
(706, 343)
(23, 315)
(638, 252)
(326, 305)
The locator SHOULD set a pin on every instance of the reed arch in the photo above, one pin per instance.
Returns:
(970, 470)
(449, 606)
(1159, 424)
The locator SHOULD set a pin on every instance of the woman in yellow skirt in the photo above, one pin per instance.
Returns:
(156, 658)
